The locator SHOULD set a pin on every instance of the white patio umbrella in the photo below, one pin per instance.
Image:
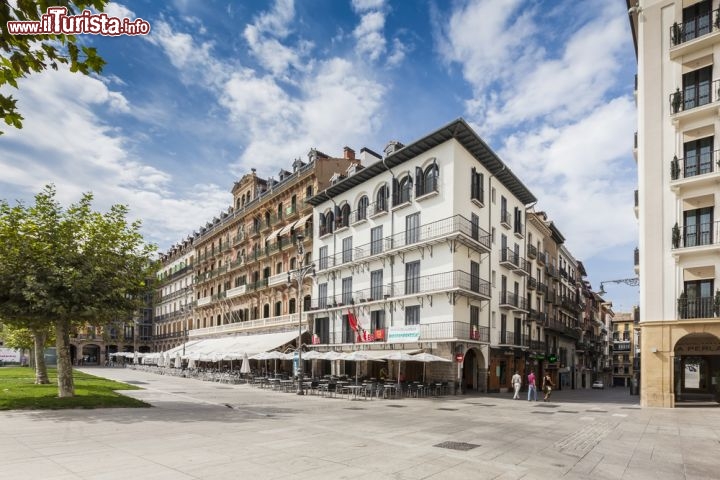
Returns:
(399, 357)
(312, 355)
(178, 360)
(245, 366)
(135, 358)
(167, 360)
(191, 364)
(427, 358)
(332, 356)
(358, 356)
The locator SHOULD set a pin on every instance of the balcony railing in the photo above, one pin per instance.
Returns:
(513, 300)
(531, 251)
(693, 96)
(428, 332)
(694, 28)
(696, 235)
(440, 282)
(424, 233)
(541, 258)
(509, 259)
(688, 167)
(282, 321)
(531, 283)
(505, 219)
(702, 307)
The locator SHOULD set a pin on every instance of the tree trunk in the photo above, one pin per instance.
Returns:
(41, 375)
(66, 386)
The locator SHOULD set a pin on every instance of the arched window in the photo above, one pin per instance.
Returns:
(362, 208)
(293, 204)
(402, 190)
(293, 263)
(344, 219)
(381, 199)
(278, 309)
(267, 219)
(266, 310)
(292, 305)
(329, 223)
(430, 180)
(279, 211)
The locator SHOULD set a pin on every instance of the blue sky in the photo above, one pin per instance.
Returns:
(220, 87)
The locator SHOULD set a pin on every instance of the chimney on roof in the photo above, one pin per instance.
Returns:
(348, 153)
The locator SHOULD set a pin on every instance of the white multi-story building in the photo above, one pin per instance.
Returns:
(426, 248)
(678, 93)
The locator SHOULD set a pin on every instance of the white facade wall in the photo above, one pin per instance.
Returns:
(455, 164)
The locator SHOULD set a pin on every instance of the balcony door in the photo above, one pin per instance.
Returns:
(696, 88)
(698, 157)
(698, 227)
(699, 299)
(697, 20)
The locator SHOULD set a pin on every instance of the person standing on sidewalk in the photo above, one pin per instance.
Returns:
(516, 383)
(547, 386)
(532, 388)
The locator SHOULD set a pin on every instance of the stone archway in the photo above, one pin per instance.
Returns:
(473, 371)
(696, 368)
(90, 354)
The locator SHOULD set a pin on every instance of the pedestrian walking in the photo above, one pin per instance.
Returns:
(532, 388)
(516, 383)
(547, 386)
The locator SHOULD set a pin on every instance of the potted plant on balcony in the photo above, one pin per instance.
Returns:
(676, 236)
(676, 99)
(674, 168)
(675, 33)
(682, 304)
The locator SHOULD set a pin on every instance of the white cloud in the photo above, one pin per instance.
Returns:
(114, 9)
(581, 171)
(570, 138)
(369, 35)
(329, 99)
(66, 141)
(365, 5)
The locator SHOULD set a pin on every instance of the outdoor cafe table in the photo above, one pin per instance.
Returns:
(351, 390)
(390, 389)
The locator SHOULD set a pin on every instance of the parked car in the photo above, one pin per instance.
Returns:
(598, 384)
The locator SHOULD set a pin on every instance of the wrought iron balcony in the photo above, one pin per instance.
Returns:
(531, 283)
(428, 232)
(696, 165)
(689, 236)
(455, 280)
(695, 27)
(505, 219)
(513, 301)
(532, 251)
(701, 307)
(694, 96)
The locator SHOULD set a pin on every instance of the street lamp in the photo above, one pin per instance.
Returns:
(299, 274)
(633, 282)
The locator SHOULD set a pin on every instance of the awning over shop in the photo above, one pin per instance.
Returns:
(286, 229)
(236, 345)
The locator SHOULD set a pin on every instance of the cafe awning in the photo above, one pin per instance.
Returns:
(236, 345)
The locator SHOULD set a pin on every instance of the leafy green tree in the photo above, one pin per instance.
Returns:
(70, 267)
(21, 55)
(34, 339)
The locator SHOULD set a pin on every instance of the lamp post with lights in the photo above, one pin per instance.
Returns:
(299, 275)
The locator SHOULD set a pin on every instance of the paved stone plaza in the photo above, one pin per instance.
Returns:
(215, 431)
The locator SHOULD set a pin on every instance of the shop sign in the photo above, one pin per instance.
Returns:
(403, 334)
